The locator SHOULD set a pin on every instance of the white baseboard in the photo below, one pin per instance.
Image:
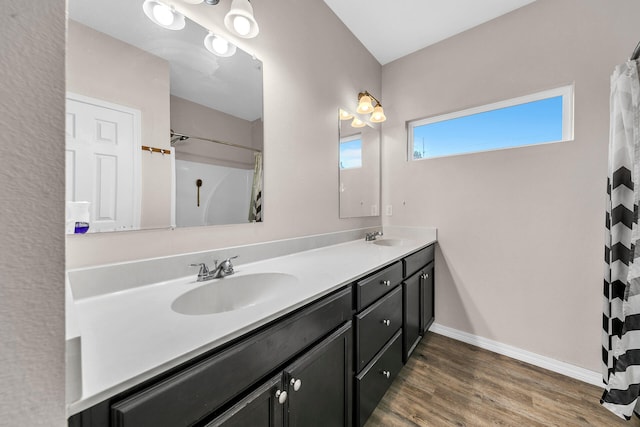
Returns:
(545, 362)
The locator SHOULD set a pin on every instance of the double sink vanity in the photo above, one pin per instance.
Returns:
(309, 337)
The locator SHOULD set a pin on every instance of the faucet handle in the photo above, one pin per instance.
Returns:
(227, 266)
(204, 271)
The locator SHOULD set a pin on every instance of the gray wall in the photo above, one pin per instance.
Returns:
(520, 231)
(32, 213)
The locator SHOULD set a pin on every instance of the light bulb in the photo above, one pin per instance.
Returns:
(242, 25)
(378, 114)
(345, 115)
(163, 14)
(364, 105)
(357, 123)
(220, 45)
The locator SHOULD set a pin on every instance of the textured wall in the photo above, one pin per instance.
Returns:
(312, 66)
(520, 231)
(32, 213)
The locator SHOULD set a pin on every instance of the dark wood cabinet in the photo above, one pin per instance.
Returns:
(313, 391)
(412, 295)
(260, 409)
(418, 297)
(319, 384)
(426, 298)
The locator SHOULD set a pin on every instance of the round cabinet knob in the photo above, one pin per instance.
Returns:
(424, 276)
(386, 282)
(386, 374)
(281, 396)
(386, 322)
(296, 383)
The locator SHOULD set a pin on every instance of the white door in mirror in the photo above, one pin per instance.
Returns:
(101, 161)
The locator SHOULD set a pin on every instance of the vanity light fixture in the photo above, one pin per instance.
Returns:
(365, 106)
(240, 21)
(163, 15)
(219, 45)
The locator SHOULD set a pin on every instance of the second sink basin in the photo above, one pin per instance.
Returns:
(233, 293)
(389, 242)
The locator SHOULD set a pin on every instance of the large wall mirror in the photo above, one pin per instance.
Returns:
(160, 131)
(359, 167)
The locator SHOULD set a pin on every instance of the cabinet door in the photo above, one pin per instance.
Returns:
(412, 314)
(262, 408)
(320, 383)
(426, 297)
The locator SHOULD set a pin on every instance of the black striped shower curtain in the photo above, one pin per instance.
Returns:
(621, 311)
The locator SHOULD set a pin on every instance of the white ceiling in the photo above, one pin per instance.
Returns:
(393, 29)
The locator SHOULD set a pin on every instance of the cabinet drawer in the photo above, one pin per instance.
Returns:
(373, 382)
(373, 287)
(191, 394)
(417, 260)
(376, 324)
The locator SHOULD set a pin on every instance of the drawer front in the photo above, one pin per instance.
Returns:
(376, 325)
(372, 383)
(191, 394)
(417, 260)
(373, 287)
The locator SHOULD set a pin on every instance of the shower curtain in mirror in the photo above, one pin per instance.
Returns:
(255, 206)
(621, 311)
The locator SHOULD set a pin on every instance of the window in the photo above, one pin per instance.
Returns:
(351, 152)
(533, 119)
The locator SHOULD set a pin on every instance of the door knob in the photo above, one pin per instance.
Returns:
(296, 383)
(281, 396)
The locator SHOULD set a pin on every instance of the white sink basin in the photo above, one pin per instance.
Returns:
(233, 293)
(390, 242)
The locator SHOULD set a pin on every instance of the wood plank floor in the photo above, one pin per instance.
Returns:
(450, 383)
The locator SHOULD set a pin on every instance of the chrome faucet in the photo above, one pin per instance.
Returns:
(372, 236)
(219, 271)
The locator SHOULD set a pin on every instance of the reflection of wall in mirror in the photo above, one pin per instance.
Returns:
(102, 67)
(194, 119)
(360, 187)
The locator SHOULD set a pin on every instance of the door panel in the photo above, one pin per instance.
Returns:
(323, 381)
(103, 148)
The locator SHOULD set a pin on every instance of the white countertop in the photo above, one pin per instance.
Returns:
(132, 335)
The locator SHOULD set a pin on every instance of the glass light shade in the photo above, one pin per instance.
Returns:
(357, 123)
(163, 15)
(378, 115)
(219, 45)
(345, 115)
(240, 21)
(364, 105)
